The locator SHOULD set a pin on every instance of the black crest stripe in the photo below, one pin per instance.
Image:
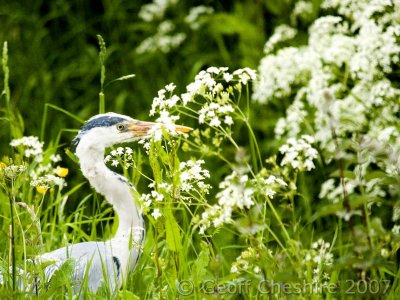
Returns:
(103, 121)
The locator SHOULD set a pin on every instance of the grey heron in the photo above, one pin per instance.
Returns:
(107, 262)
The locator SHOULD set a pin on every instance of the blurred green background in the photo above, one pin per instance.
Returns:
(53, 53)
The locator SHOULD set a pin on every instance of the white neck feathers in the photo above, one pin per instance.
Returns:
(113, 186)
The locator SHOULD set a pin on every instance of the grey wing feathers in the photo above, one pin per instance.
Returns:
(93, 262)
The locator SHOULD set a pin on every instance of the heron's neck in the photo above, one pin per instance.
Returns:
(113, 186)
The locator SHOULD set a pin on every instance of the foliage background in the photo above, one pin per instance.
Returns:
(53, 58)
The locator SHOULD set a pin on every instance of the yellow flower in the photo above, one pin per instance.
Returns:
(61, 172)
(42, 189)
(2, 165)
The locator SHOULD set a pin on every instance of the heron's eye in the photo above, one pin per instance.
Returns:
(121, 127)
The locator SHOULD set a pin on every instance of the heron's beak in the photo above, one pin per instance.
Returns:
(141, 128)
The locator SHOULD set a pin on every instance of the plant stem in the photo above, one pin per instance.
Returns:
(12, 238)
(102, 58)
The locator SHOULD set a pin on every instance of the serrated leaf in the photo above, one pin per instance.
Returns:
(153, 159)
(174, 240)
(327, 210)
(201, 263)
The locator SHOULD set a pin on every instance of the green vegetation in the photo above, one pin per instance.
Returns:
(288, 186)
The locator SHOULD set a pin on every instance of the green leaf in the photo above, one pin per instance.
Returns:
(201, 263)
(174, 240)
(71, 155)
(153, 159)
(326, 210)
(127, 295)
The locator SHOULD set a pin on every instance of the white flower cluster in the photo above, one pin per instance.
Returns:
(302, 10)
(155, 10)
(268, 185)
(341, 87)
(281, 34)
(212, 90)
(246, 261)
(46, 176)
(298, 153)
(47, 181)
(163, 103)
(319, 253)
(123, 155)
(163, 40)
(368, 49)
(280, 74)
(295, 115)
(362, 11)
(332, 190)
(31, 145)
(43, 175)
(319, 258)
(11, 171)
(193, 19)
(396, 229)
(192, 176)
(55, 158)
(235, 192)
(148, 199)
(156, 196)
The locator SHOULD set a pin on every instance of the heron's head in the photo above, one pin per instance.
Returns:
(105, 130)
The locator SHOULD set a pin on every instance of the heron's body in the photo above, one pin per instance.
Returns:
(107, 262)
(94, 260)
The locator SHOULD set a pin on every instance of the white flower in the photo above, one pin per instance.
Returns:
(227, 77)
(164, 40)
(155, 10)
(245, 75)
(31, 145)
(48, 180)
(228, 120)
(210, 91)
(215, 122)
(234, 269)
(194, 16)
(170, 87)
(245, 261)
(192, 176)
(302, 9)
(281, 33)
(55, 158)
(385, 253)
(299, 153)
(156, 213)
(120, 150)
(235, 193)
(128, 151)
(396, 229)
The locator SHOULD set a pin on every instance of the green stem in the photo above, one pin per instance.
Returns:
(23, 238)
(256, 153)
(102, 59)
(102, 102)
(276, 215)
(6, 71)
(12, 240)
